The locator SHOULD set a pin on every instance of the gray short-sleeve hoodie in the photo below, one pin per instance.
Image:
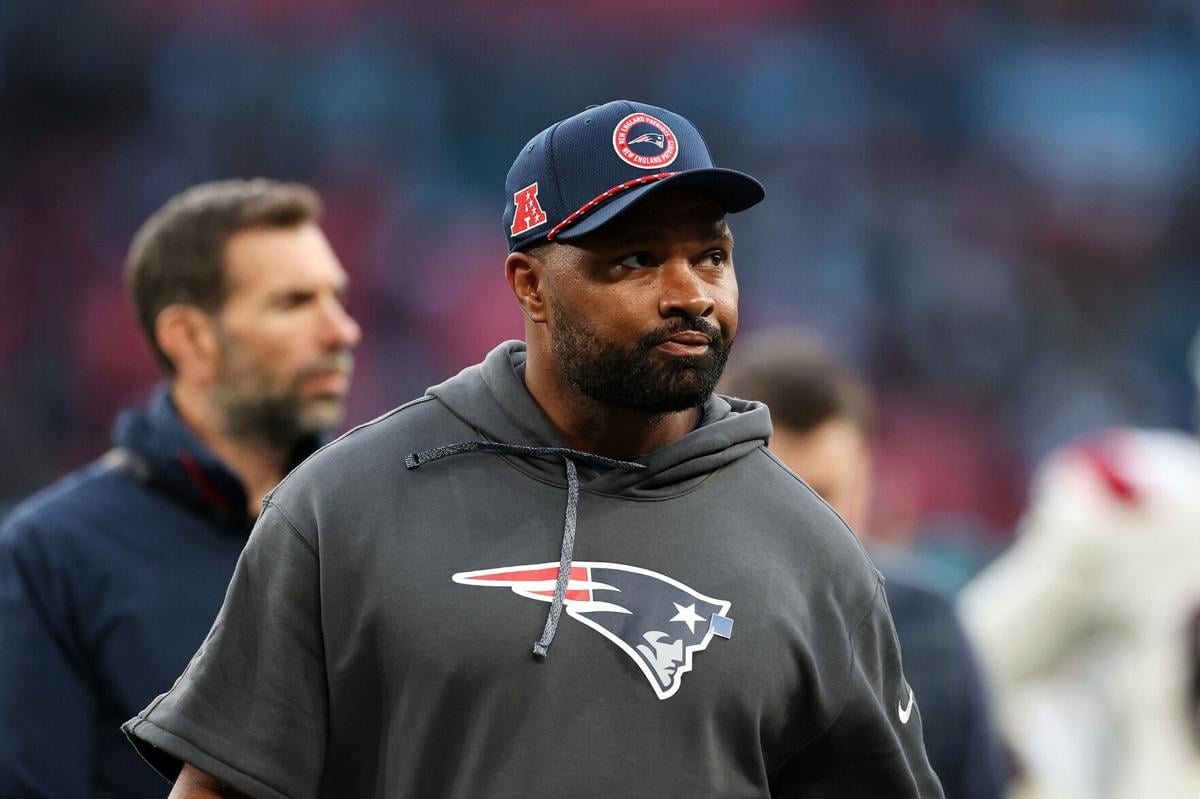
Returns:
(722, 633)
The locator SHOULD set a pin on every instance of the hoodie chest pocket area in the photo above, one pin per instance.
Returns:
(389, 585)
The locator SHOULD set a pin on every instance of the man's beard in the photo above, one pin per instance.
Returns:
(254, 408)
(640, 377)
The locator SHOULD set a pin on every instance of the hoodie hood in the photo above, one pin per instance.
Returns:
(492, 398)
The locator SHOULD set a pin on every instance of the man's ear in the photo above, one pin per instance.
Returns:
(188, 336)
(526, 276)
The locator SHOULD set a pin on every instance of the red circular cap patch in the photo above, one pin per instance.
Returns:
(645, 142)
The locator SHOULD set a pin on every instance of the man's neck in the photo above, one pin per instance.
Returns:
(259, 466)
(601, 429)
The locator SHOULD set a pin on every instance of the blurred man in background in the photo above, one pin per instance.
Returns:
(110, 578)
(1089, 626)
(822, 413)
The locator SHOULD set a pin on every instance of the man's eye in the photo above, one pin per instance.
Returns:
(638, 260)
(716, 258)
(294, 299)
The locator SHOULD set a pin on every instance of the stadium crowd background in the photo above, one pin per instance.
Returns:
(992, 208)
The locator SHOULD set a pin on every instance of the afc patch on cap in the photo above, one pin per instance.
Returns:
(645, 142)
(529, 213)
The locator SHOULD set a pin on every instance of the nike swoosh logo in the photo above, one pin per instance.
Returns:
(906, 712)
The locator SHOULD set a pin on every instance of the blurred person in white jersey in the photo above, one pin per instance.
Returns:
(1089, 626)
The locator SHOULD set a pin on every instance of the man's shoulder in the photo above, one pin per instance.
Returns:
(776, 483)
(1106, 491)
(73, 506)
(376, 448)
(822, 539)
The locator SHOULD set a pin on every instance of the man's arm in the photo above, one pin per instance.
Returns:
(873, 749)
(196, 784)
(47, 709)
(251, 706)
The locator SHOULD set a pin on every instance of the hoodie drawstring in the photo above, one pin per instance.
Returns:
(542, 646)
(569, 456)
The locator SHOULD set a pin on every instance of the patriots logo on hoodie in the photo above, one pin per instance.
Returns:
(659, 622)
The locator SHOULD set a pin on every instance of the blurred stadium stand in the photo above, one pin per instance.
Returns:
(993, 208)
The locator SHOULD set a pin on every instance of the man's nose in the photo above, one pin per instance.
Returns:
(683, 291)
(338, 327)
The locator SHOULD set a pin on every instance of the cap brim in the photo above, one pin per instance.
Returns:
(734, 191)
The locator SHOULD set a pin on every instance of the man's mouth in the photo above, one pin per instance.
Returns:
(688, 342)
(334, 381)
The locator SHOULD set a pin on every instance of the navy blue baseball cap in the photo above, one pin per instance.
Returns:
(583, 172)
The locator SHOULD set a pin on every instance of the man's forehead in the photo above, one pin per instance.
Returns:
(268, 258)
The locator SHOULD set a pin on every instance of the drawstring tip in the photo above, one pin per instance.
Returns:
(540, 650)
(411, 461)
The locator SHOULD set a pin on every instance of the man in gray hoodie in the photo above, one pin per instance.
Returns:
(716, 630)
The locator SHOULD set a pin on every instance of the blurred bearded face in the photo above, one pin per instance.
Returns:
(284, 337)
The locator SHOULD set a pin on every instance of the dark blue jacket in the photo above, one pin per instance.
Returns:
(941, 668)
(109, 582)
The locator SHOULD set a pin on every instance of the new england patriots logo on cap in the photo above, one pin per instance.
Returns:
(659, 622)
(657, 139)
(645, 142)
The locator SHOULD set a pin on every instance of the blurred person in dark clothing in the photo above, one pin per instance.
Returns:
(822, 414)
(110, 578)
